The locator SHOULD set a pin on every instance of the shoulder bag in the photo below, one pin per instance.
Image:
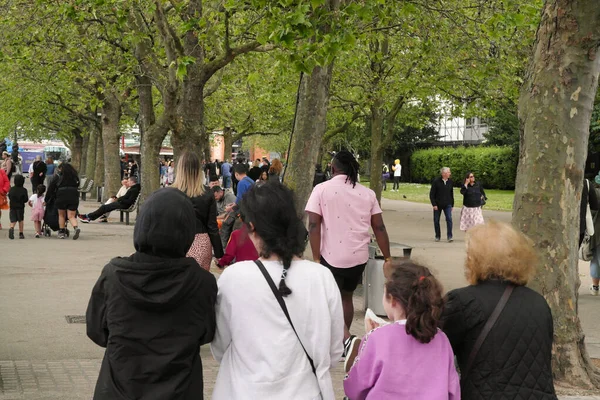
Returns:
(488, 327)
(281, 302)
(589, 221)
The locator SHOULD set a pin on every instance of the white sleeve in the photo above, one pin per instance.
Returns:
(222, 339)
(337, 320)
(33, 198)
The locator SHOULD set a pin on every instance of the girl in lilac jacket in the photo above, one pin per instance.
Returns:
(409, 358)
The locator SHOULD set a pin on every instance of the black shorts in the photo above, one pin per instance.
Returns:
(346, 278)
(67, 198)
(16, 215)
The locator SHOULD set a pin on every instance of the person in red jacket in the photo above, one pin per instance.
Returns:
(4, 188)
(239, 248)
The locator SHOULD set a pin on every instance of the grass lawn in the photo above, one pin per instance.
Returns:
(501, 200)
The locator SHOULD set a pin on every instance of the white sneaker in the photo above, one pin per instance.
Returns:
(594, 290)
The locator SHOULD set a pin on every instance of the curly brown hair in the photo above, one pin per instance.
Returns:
(497, 250)
(420, 295)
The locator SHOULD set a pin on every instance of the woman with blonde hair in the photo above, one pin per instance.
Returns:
(189, 178)
(500, 330)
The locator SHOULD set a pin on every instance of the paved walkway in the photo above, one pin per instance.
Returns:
(42, 281)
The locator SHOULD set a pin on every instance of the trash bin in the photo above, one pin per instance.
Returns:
(374, 278)
(374, 281)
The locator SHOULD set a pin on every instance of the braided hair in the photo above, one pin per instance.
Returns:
(271, 211)
(345, 163)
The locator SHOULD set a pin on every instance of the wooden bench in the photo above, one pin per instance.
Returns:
(126, 211)
(86, 188)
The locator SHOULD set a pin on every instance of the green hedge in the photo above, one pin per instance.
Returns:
(494, 167)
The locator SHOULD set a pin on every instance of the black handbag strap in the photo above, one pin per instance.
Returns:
(488, 327)
(281, 302)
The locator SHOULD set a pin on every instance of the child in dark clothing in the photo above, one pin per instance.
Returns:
(18, 197)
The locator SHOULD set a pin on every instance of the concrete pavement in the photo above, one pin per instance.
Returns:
(42, 281)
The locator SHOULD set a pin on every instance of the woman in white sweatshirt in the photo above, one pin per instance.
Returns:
(261, 356)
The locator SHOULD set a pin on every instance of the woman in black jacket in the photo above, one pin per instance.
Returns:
(190, 180)
(515, 359)
(154, 309)
(473, 194)
(63, 188)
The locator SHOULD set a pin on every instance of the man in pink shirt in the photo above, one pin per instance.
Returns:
(340, 213)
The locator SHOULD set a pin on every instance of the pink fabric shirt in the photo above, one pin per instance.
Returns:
(346, 213)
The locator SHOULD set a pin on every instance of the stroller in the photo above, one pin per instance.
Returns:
(51, 219)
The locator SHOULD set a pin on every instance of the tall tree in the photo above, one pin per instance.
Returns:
(554, 109)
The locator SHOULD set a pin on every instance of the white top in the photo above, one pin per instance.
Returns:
(34, 199)
(260, 356)
(397, 170)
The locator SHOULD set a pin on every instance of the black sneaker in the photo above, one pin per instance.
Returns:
(352, 352)
(76, 234)
(437, 239)
(11, 233)
(105, 220)
(21, 236)
(450, 240)
(61, 234)
(347, 345)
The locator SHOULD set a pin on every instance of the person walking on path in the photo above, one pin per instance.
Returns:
(50, 167)
(4, 189)
(38, 175)
(121, 203)
(243, 186)
(18, 197)
(279, 319)
(595, 240)
(190, 178)
(153, 310)
(385, 175)
(64, 189)
(226, 173)
(441, 196)
(340, 214)
(36, 202)
(588, 196)
(7, 164)
(500, 362)
(473, 197)
(397, 168)
(399, 360)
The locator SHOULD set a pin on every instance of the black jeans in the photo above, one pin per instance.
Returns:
(104, 209)
(396, 183)
(436, 221)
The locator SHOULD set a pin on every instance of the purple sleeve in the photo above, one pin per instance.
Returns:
(364, 373)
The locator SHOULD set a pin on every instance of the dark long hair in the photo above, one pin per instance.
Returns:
(269, 211)
(420, 294)
(345, 163)
(68, 172)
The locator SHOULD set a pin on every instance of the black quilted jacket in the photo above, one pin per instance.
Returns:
(514, 362)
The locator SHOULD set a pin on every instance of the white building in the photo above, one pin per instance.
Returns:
(460, 129)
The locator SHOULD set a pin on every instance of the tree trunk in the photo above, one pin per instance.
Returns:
(227, 143)
(554, 110)
(90, 166)
(84, 152)
(99, 168)
(111, 117)
(190, 133)
(76, 149)
(376, 147)
(311, 122)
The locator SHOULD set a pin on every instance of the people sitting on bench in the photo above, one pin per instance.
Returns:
(121, 203)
